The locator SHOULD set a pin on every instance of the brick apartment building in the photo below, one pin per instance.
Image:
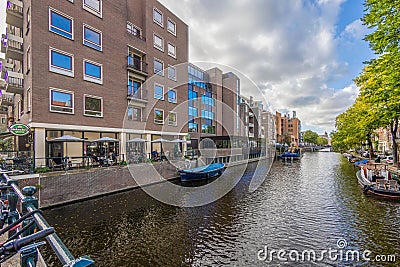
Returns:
(288, 129)
(214, 107)
(86, 68)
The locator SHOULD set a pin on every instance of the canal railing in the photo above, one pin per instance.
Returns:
(22, 221)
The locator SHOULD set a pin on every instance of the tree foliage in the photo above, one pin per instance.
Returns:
(310, 137)
(378, 104)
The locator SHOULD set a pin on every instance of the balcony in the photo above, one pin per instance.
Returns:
(14, 13)
(3, 110)
(12, 46)
(14, 82)
(138, 66)
(138, 98)
(7, 100)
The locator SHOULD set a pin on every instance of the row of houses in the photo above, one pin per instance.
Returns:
(100, 68)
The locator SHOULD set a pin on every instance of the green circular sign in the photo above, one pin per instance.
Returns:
(19, 129)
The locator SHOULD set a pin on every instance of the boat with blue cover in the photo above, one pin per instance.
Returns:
(204, 172)
(289, 155)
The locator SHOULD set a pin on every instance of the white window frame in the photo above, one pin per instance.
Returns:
(161, 48)
(65, 92)
(173, 123)
(154, 93)
(95, 30)
(89, 78)
(28, 59)
(170, 77)
(160, 23)
(169, 52)
(161, 73)
(29, 100)
(84, 106)
(141, 113)
(158, 122)
(91, 10)
(136, 27)
(176, 96)
(64, 15)
(170, 31)
(58, 70)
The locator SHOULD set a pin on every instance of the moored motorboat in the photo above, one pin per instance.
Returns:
(289, 155)
(376, 180)
(204, 172)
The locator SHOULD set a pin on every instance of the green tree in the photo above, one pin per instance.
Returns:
(379, 87)
(310, 137)
(322, 141)
(384, 17)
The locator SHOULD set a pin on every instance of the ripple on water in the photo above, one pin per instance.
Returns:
(308, 204)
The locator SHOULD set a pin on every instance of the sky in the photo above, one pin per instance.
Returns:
(302, 54)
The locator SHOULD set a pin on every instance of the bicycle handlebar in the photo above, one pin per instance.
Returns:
(15, 245)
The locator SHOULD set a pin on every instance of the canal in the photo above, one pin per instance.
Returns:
(310, 205)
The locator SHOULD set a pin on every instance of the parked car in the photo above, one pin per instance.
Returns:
(388, 160)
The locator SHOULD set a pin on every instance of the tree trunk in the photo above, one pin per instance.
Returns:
(393, 131)
(370, 146)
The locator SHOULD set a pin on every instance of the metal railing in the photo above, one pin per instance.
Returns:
(137, 64)
(31, 218)
(139, 94)
(13, 7)
(15, 82)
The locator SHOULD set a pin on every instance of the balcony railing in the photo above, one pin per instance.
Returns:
(14, 44)
(136, 33)
(140, 94)
(14, 13)
(15, 82)
(137, 64)
(14, 8)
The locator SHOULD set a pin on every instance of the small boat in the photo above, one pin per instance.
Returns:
(289, 155)
(376, 180)
(204, 172)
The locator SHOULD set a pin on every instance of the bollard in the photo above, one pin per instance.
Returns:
(13, 214)
(29, 257)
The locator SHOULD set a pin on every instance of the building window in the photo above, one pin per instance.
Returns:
(61, 62)
(61, 24)
(208, 129)
(192, 95)
(193, 111)
(159, 116)
(93, 106)
(133, 88)
(61, 101)
(28, 59)
(171, 50)
(93, 6)
(158, 92)
(158, 42)
(172, 119)
(29, 99)
(171, 26)
(135, 31)
(92, 72)
(158, 67)
(92, 37)
(193, 127)
(172, 73)
(172, 96)
(134, 114)
(158, 17)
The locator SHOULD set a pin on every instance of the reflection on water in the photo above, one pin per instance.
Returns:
(309, 204)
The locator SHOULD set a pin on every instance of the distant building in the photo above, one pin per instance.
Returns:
(288, 129)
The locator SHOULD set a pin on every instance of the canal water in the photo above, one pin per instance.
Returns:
(307, 206)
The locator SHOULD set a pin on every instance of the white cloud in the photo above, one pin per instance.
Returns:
(288, 48)
(355, 30)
